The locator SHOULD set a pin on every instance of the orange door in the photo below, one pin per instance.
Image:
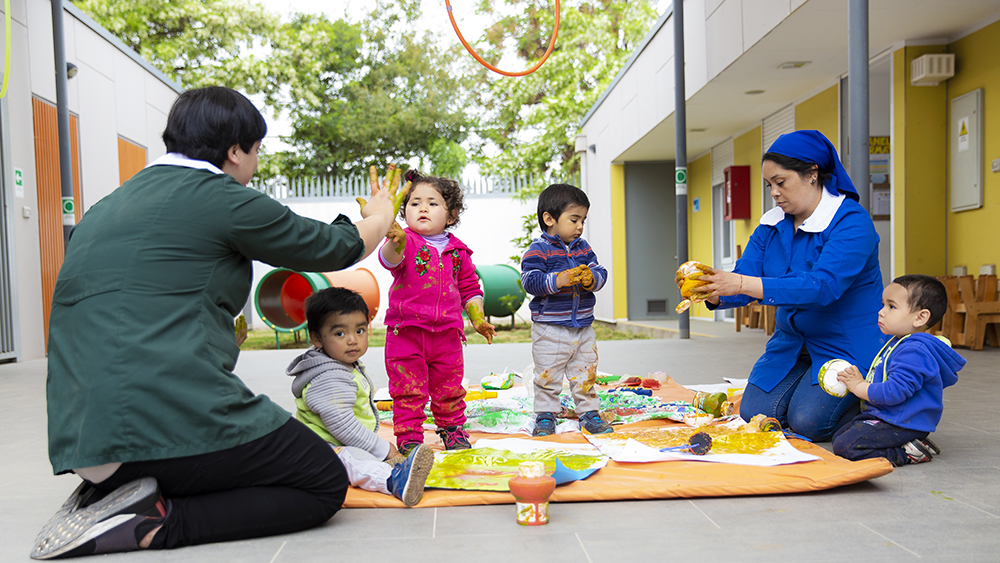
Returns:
(131, 159)
(50, 227)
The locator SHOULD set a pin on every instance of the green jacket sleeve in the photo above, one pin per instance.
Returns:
(265, 230)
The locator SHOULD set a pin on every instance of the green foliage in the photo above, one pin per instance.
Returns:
(534, 120)
(357, 93)
(196, 43)
(404, 102)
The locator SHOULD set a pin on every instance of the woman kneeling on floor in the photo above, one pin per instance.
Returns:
(143, 404)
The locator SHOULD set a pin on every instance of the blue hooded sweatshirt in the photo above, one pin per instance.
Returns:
(908, 390)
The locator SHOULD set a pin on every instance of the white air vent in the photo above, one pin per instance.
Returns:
(931, 69)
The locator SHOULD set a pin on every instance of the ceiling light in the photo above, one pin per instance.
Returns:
(698, 129)
(753, 92)
(793, 64)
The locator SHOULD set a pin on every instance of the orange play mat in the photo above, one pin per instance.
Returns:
(659, 480)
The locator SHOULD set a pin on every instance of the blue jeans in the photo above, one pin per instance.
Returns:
(866, 437)
(801, 405)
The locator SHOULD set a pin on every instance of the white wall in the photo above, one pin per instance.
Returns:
(112, 95)
(26, 275)
(486, 227)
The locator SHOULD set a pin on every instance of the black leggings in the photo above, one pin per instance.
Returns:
(286, 481)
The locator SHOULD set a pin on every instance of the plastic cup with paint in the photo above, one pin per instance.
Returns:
(531, 489)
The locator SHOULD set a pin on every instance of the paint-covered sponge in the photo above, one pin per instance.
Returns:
(828, 377)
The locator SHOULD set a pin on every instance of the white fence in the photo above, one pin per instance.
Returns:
(329, 187)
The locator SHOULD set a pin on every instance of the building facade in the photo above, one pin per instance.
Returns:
(118, 106)
(755, 69)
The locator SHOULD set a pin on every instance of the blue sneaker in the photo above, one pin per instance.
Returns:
(410, 475)
(592, 421)
(545, 424)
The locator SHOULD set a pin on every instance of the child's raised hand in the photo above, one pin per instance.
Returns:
(398, 236)
(240, 327)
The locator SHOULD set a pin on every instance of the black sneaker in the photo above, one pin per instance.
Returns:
(409, 476)
(454, 438)
(592, 421)
(117, 522)
(545, 424)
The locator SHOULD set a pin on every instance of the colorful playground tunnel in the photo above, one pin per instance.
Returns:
(281, 294)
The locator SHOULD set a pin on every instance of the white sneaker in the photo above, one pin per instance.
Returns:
(917, 451)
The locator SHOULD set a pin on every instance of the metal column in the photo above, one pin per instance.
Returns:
(857, 87)
(62, 117)
(680, 158)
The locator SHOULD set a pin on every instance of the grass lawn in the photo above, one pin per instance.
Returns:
(264, 339)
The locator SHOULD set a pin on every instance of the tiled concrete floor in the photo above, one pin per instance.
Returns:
(947, 510)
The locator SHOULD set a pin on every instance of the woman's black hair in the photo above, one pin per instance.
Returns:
(802, 167)
(450, 190)
(205, 122)
(556, 198)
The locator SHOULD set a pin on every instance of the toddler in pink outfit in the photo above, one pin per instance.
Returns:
(434, 279)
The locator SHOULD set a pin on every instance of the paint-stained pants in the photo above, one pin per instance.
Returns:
(558, 351)
(421, 364)
(866, 437)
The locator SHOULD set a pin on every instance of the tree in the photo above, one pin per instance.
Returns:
(357, 93)
(532, 121)
(233, 43)
(405, 101)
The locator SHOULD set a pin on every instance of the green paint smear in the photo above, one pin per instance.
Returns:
(940, 494)
(489, 469)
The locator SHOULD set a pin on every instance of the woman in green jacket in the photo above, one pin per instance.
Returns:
(143, 404)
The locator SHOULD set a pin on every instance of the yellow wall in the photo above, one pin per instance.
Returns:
(700, 223)
(974, 235)
(821, 112)
(620, 263)
(919, 175)
(747, 152)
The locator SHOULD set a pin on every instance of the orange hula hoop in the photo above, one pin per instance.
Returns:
(552, 43)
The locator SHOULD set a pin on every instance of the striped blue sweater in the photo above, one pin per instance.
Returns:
(570, 306)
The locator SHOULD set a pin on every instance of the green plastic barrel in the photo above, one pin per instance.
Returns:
(499, 282)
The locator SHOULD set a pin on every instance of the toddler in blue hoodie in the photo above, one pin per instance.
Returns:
(901, 397)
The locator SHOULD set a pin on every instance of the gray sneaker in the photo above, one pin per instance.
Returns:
(106, 526)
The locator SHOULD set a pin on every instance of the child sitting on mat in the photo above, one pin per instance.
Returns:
(333, 396)
(562, 272)
(434, 279)
(901, 397)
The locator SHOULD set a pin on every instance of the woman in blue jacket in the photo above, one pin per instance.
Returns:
(815, 257)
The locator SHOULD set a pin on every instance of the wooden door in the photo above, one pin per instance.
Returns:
(50, 227)
(131, 159)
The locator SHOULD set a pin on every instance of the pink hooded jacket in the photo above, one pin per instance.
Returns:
(430, 290)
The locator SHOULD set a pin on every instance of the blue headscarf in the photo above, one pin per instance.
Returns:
(811, 146)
